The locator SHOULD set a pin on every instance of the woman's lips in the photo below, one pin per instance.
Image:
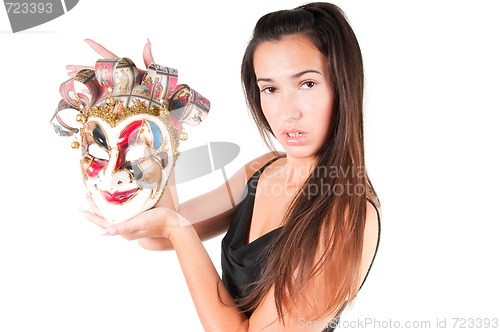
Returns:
(119, 197)
(294, 136)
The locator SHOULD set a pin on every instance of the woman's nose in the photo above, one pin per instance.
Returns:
(289, 108)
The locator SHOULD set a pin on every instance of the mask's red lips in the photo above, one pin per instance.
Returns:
(119, 197)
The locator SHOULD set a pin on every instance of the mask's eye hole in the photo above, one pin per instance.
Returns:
(137, 152)
(97, 152)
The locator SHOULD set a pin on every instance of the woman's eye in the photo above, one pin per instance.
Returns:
(137, 152)
(268, 90)
(308, 85)
(97, 152)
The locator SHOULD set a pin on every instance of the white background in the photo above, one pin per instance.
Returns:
(431, 117)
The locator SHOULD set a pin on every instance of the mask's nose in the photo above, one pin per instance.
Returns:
(121, 178)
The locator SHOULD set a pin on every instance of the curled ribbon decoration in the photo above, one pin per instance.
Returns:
(116, 85)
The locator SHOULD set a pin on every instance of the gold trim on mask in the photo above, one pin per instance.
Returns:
(113, 118)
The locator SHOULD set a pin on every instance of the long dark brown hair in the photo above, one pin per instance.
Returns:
(322, 229)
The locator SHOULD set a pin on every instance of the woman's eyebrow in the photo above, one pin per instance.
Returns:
(264, 80)
(299, 74)
(305, 72)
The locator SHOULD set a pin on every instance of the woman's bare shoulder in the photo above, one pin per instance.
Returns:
(257, 163)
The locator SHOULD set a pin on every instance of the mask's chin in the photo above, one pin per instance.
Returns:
(120, 206)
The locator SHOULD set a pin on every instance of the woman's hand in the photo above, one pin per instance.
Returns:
(155, 224)
(106, 54)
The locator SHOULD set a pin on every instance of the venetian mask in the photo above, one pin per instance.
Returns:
(129, 128)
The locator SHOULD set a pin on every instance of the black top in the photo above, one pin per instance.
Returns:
(242, 262)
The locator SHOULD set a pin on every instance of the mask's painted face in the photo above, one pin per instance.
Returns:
(130, 125)
(125, 168)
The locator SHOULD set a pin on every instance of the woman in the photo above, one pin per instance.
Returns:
(303, 232)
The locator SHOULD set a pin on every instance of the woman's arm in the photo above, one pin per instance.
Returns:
(215, 307)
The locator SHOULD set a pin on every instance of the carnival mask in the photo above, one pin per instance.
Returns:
(129, 129)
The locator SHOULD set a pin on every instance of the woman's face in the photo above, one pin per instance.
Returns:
(296, 93)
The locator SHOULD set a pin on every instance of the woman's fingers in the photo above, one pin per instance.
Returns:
(150, 223)
(74, 69)
(96, 219)
(109, 228)
(105, 53)
(157, 222)
(92, 204)
(147, 54)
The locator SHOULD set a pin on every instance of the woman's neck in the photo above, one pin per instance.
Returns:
(295, 171)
